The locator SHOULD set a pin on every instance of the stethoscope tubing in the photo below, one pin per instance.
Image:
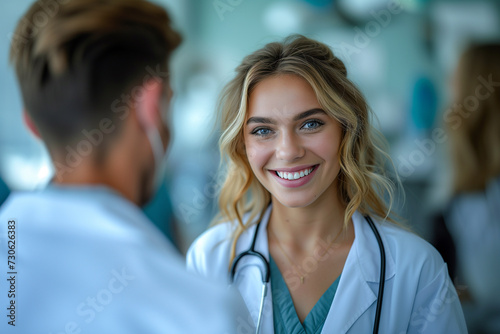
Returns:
(381, 286)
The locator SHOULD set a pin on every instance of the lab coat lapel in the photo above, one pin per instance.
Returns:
(249, 275)
(354, 294)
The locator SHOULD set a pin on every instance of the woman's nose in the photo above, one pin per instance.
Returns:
(289, 147)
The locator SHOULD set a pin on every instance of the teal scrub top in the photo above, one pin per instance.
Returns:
(286, 320)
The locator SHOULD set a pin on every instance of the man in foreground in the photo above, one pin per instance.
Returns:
(80, 256)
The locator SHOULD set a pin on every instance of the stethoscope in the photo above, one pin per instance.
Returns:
(265, 275)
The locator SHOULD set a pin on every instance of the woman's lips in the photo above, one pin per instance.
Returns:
(294, 177)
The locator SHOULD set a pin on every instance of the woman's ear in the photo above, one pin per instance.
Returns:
(30, 124)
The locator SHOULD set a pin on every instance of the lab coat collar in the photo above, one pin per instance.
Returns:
(355, 294)
(367, 250)
(110, 202)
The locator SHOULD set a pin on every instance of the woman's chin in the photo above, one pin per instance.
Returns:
(293, 203)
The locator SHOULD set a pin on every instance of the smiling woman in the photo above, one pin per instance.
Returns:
(288, 133)
(305, 173)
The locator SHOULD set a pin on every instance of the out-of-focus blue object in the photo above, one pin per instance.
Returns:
(159, 211)
(423, 104)
(4, 191)
(320, 3)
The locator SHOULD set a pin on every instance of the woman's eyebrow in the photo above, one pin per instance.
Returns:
(261, 120)
(302, 115)
(308, 113)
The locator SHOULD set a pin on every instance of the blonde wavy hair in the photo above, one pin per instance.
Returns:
(362, 179)
(475, 138)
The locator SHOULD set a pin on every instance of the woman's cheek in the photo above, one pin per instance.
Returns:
(251, 152)
(254, 151)
(258, 153)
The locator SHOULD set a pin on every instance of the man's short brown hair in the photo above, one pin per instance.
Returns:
(73, 58)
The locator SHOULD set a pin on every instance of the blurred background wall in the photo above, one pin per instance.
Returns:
(401, 54)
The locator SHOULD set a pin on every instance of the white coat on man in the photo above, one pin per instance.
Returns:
(89, 261)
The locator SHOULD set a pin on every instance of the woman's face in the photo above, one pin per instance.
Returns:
(291, 142)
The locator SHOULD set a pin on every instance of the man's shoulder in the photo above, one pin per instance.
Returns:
(99, 231)
(90, 262)
(73, 211)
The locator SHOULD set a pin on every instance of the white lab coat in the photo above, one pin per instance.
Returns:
(89, 261)
(418, 298)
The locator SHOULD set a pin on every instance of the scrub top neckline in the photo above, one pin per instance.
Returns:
(285, 317)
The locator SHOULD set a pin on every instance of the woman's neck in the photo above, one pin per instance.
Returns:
(304, 227)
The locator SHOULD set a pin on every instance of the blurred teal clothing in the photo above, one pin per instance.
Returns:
(159, 210)
(4, 191)
(286, 320)
(88, 259)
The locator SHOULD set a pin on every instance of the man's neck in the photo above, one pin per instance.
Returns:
(87, 173)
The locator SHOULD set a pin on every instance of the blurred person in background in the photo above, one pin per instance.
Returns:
(305, 177)
(468, 233)
(94, 79)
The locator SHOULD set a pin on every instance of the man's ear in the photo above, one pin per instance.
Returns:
(148, 105)
(30, 124)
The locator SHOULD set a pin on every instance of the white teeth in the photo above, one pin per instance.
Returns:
(295, 175)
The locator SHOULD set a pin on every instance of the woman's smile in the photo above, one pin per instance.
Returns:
(294, 177)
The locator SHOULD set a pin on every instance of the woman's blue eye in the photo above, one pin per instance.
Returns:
(261, 132)
(311, 125)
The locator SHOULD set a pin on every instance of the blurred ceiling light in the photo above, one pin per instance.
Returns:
(25, 173)
(284, 18)
(361, 10)
(45, 172)
(194, 114)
